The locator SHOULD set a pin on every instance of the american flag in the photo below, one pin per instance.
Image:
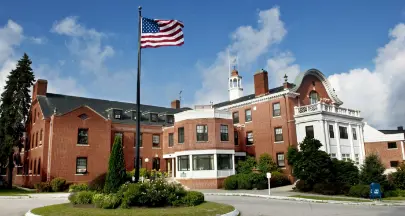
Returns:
(157, 33)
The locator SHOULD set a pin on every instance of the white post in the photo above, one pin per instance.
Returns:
(326, 135)
(190, 157)
(339, 155)
(403, 151)
(268, 175)
(362, 147)
(173, 168)
(215, 165)
(233, 163)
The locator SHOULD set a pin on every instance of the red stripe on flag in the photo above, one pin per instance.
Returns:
(163, 41)
(159, 36)
(149, 46)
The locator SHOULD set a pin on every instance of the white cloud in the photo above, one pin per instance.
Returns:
(249, 43)
(85, 44)
(378, 93)
(280, 65)
(38, 40)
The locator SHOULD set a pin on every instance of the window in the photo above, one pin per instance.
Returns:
(224, 133)
(313, 97)
(180, 134)
(394, 163)
(36, 139)
(184, 163)
(33, 141)
(140, 162)
(346, 157)
(354, 133)
(309, 131)
(40, 136)
(356, 158)
(203, 162)
(35, 167)
(278, 134)
(156, 141)
(35, 115)
(276, 110)
(156, 163)
(140, 140)
(249, 138)
(81, 165)
(236, 137)
(392, 145)
(331, 132)
(343, 132)
(3, 170)
(117, 114)
(333, 155)
(39, 167)
(202, 133)
(20, 170)
(154, 117)
(171, 141)
(248, 115)
(170, 119)
(235, 117)
(280, 160)
(82, 137)
(83, 116)
(224, 161)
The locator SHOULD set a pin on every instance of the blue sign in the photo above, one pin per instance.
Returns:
(375, 191)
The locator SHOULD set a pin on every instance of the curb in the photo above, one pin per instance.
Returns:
(15, 197)
(29, 213)
(373, 203)
(232, 213)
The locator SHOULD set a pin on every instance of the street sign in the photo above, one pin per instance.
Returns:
(375, 191)
(268, 175)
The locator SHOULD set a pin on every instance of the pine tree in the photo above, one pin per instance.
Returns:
(14, 111)
(372, 171)
(116, 175)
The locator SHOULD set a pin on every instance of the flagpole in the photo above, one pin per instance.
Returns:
(138, 99)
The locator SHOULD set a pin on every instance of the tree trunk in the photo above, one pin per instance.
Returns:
(10, 171)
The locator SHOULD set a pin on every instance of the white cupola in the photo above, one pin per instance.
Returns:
(235, 85)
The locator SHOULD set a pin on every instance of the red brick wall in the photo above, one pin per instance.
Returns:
(202, 183)
(65, 149)
(386, 155)
(261, 82)
(307, 86)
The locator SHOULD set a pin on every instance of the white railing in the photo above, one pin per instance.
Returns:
(326, 108)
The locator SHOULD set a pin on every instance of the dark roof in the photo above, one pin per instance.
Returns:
(399, 130)
(248, 97)
(66, 103)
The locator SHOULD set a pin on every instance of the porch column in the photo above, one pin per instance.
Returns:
(215, 164)
(362, 147)
(403, 151)
(339, 154)
(326, 136)
(190, 158)
(173, 167)
(233, 161)
(349, 128)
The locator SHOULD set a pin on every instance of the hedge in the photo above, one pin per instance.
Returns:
(254, 181)
(360, 191)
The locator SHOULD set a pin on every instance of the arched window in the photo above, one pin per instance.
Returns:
(235, 82)
(313, 97)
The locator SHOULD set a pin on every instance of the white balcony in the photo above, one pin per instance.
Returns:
(322, 107)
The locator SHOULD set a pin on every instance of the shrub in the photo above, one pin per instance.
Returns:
(246, 166)
(98, 199)
(116, 175)
(372, 171)
(193, 198)
(258, 180)
(97, 184)
(244, 182)
(278, 179)
(58, 184)
(82, 197)
(266, 164)
(344, 172)
(43, 187)
(131, 194)
(303, 186)
(326, 188)
(394, 193)
(360, 191)
(398, 178)
(231, 182)
(106, 201)
(78, 187)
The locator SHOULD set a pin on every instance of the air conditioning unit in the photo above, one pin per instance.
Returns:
(81, 170)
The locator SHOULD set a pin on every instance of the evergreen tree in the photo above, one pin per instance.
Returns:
(266, 164)
(14, 111)
(116, 175)
(372, 171)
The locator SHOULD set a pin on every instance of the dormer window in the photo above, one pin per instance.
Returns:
(170, 119)
(117, 114)
(154, 117)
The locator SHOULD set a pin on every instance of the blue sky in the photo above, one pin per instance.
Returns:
(340, 38)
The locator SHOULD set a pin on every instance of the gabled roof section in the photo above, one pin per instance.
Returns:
(322, 78)
(63, 104)
(373, 135)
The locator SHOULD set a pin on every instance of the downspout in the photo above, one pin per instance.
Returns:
(288, 121)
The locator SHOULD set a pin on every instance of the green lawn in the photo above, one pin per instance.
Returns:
(394, 198)
(205, 209)
(14, 192)
(331, 198)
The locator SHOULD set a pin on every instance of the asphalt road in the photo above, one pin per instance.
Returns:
(249, 206)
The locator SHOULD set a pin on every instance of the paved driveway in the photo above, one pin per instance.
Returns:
(18, 207)
(252, 206)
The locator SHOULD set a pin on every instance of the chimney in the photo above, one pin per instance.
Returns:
(175, 104)
(40, 88)
(400, 128)
(261, 81)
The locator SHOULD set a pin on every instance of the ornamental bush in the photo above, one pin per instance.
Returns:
(360, 190)
(266, 164)
(58, 184)
(246, 166)
(98, 183)
(303, 186)
(106, 201)
(193, 198)
(277, 179)
(244, 181)
(43, 187)
(82, 197)
(398, 178)
(231, 182)
(373, 171)
(78, 187)
(116, 175)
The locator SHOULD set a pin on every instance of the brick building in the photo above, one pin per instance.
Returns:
(71, 137)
